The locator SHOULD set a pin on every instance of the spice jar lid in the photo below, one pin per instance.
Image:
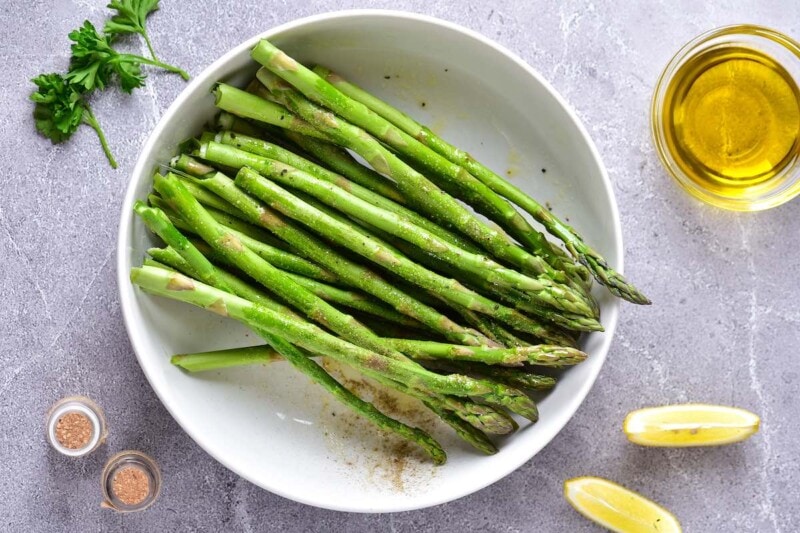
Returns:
(76, 426)
(131, 481)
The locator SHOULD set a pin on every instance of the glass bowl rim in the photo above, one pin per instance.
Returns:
(772, 198)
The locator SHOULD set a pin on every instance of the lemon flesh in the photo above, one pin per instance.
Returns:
(689, 425)
(617, 508)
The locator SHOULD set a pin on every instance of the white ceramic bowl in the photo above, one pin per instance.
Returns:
(269, 424)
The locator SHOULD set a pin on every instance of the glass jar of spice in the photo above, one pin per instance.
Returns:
(76, 426)
(131, 481)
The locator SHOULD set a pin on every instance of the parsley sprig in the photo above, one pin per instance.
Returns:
(61, 101)
(61, 109)
(94, 62)
(130, 18)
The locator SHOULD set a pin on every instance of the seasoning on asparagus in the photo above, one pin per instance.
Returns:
(542, 288)
(158, 222)
(373, 250)
(354, 273)
(305, 223)
(615, 282)
(456, 179)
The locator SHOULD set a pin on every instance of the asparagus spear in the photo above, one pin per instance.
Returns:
(541, 289)
(518, 299)
(347, 235)
(246, 105)
(229, 156)
(306, 335)
(515, 376)
(480, 416)
(224, 280)
(277, 257)
(541, 355)
(493, 330)
(615, 282)
(414, 185)
(350, 299)
(356, 173)
(159, 223)
(457, 180)
(349, 271)
(232, 357)
(226, 244)
(343, 163)
(347, 298)
(233, 221)
(221, 359)
(191, 260)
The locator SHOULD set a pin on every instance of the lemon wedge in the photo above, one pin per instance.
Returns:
(617, 508)
(689, 425)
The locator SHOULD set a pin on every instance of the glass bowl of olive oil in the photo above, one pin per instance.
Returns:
(726, 118)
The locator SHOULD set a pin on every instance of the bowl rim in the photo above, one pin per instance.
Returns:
(128, 301)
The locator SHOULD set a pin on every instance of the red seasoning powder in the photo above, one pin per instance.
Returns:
(74, 430)
(130, 485)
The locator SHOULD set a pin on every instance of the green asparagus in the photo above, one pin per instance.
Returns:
(159, 223)
(306, 335)
(574, 243)
(372, 250)
(351, 272)
(457, 180)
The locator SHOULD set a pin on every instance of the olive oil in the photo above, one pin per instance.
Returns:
(731, 120)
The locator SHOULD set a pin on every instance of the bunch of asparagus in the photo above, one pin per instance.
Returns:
(271, 221)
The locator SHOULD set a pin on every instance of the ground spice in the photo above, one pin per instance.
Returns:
(74, 430)
(131, 485)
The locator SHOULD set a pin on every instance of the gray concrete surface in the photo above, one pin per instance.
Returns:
(724, 326)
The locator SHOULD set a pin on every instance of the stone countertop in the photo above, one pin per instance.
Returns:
(724, 327)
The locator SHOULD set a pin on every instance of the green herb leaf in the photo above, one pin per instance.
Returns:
(90, 65)
(94, 62)
(61, 104)
(130, 76)
(130, 18)
(59, 108)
